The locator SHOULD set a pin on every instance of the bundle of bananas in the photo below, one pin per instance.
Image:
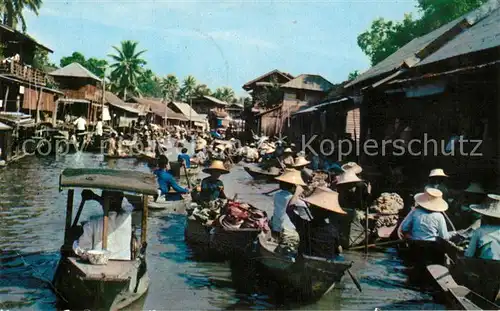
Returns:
(388, 204)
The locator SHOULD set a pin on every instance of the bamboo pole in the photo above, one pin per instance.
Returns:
(105, 224)
(6, 98)
(144, 225)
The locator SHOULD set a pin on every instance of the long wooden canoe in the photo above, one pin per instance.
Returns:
(259, 174)
(309, 278)
(169, 206)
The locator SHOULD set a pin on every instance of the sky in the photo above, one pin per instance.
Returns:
(221, 43)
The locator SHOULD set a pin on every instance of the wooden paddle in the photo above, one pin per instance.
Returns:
(271, 191)
(355, 280)
(187, 175)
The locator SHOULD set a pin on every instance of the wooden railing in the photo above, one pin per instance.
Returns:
(23, 72)
(94, 95)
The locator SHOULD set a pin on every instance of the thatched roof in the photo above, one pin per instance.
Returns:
(74, 70)
(186, 110)
(22, 36)
(159, 108)
(285, 75)
(215, 100)
(310, 83)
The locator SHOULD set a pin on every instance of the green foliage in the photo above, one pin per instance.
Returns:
(201, 90)
(225, 94)
(149, 84)
(353, 75)
(94, 65)
(12, 11)
(169, 87)
(187, 90)
(127, 69)
(41, 61)
(271, 96)
(386, 37)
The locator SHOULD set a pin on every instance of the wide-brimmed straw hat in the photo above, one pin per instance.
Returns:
(301, 161)
(268, 150)
(216, 166)
(352, 166)
(491, 208)
(348, 177)
(437, 172)
(287, 150)
(325, 198)
(291, 176)
(431, 199)
(475, 188)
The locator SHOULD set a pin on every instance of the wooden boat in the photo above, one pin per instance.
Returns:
(192, 171)
(308, 277)
(260, 174)
(116, 156)
(197, 233)
(118, 283)
(170, 206)
(458, 297)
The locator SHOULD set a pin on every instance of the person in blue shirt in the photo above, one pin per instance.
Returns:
(184, 158)
(212, 187)
(166, 182)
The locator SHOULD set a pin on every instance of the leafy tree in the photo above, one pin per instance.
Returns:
(225, 94)
(385, 37)
(201, 90)
(353, 75)
(127, 68)
(169, 87)
(187, 89)
(271, 96)
(149, 84)
(12, 11)
(94, 65)
(41, 61)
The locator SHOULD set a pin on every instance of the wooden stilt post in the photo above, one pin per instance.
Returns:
(144, 224)
(105, 224)
(69, 215)
(6, 98)
(366, 221)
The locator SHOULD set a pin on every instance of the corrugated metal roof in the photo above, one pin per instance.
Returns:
(115, 101)
(74, 70)
(481, 36)
(308, 109)
(309, 82)
(215, 100)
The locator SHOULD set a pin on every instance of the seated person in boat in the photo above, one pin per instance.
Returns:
(485, 241)
(282, 228)
(461, 214)
(437, 180)
(166, 182)
(353, 191)
(288, 160)
(200, 157)
(212, 188)
(319, 236)
(119, 226)
(300, 164)
(112, 147)
(426, 222)
(184, 158)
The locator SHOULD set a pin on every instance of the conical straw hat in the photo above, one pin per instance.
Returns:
(348, 177)
(287, 150)
(352, 166)
(431, 199)
(291, 176)
(437, 172)
(491, 208)
(301, 161)
(475, 188)
(199, 147)
(216, 166)
(326, 199)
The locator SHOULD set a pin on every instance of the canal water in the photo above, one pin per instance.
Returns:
(32, 214)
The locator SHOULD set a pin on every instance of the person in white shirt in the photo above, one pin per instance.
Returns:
(81, 126)
(119, 227)
(200, 157)
(98, 133)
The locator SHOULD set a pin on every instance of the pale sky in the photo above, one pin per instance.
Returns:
(221, 43)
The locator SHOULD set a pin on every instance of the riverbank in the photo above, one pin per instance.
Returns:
(32, 213)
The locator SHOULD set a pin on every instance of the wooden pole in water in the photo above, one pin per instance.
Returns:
(105, 224)
(144, 225)
(366, 221)
(69, 214)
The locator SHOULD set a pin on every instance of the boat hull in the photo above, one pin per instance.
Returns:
(169, 206)
(79, 291)
(261, 175)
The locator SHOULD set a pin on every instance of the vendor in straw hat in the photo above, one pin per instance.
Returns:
(318, 233)
(353, 191)
(461, 215)
(437, 180)
(199, 157)
(288, 183)
(212, 187)
(301, 164)
(485, 241)
(426, 222)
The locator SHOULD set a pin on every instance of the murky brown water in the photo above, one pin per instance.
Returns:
(32, 213)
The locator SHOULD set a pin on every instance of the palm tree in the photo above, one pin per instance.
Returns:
(188, 87)
(225, 94)
(170, 87)
(127, 67)
(13, 11)
(201, 90)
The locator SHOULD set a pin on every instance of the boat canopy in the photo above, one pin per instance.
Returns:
(108, 179)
